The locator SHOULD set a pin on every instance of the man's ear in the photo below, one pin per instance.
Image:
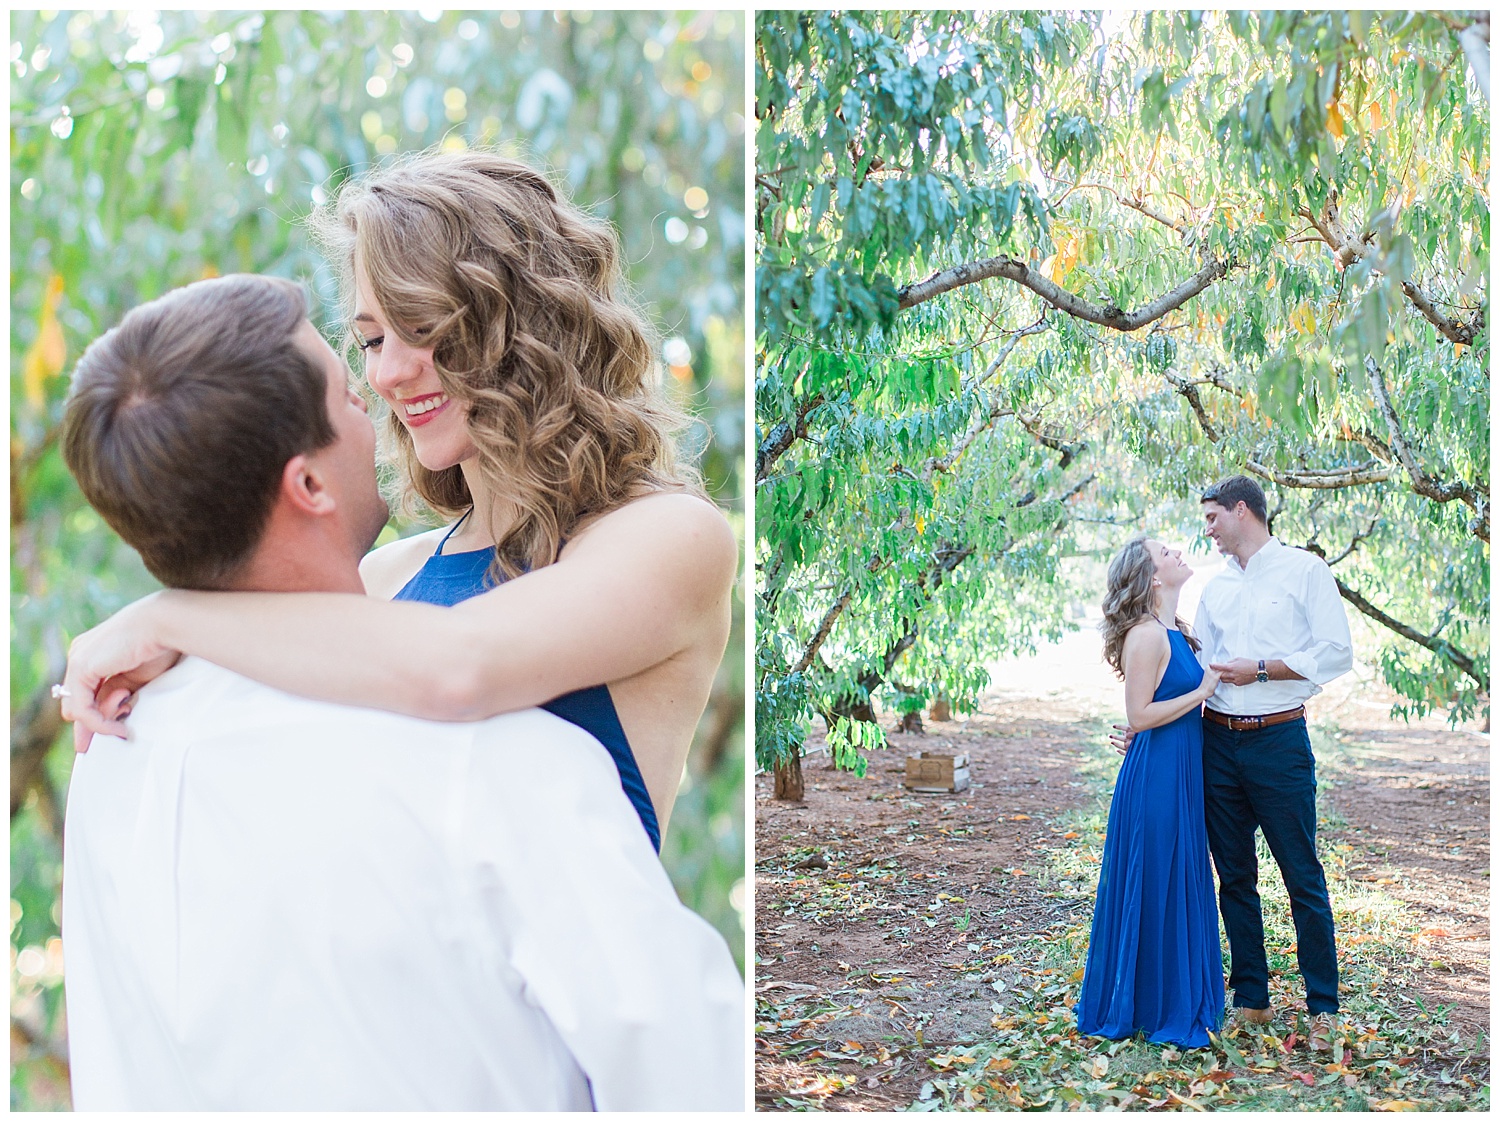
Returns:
(302, 486)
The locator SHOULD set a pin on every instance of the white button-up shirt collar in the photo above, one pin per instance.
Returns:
(1283, 604)
(274, 903)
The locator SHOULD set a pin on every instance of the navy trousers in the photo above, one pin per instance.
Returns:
(1266, 778)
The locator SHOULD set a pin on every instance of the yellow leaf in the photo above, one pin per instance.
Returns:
(209, 271)
(1335, 121)
(1049, 267)
(45, 358)
(1459, 349)
(1270, 282)
(921, 523)
(1303, 319)
(1376, 120)
(1395, 1104)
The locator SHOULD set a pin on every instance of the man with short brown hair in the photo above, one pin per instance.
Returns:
(1271, 623)
(229, 380)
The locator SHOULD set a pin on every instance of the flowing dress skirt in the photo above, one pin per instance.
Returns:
(1154, 963)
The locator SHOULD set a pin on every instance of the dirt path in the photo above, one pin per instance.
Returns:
(1416, 800)
(861, 895)
(892, 927)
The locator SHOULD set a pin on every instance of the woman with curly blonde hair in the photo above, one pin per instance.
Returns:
(1153, 961)
(587, 571)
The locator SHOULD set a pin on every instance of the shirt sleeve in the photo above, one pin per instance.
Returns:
(1330, 651)
(642, 991)
(1202, 626)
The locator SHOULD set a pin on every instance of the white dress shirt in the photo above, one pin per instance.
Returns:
(275, 903)
(1284, 604)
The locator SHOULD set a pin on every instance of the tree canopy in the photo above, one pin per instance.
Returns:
(149, 150)
(1026, 281)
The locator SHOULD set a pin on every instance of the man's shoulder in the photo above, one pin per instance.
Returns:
(1296, 558)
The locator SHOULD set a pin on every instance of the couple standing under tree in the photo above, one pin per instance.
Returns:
(1217, 746)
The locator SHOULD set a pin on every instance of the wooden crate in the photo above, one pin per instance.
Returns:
(936, 772)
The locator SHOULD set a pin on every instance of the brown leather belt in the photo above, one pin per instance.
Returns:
(1253, 724)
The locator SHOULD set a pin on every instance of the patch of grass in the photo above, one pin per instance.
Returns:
(1392, 1052)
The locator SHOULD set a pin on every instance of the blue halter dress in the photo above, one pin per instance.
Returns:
(1154, 963)
(450, 578)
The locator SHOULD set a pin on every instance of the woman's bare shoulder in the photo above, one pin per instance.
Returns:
(387, 569)
(1146, 634)
(672, 527)
(684, 518)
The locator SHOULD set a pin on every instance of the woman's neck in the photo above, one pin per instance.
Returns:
(489, 520)
(1166, 604)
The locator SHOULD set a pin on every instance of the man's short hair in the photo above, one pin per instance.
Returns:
(1236, 489)
(181, 419)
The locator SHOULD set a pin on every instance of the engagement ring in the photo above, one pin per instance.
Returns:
(61, 691)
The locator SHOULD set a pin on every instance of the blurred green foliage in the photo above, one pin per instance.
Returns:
(149, 150)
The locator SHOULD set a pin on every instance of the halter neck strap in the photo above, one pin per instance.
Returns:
(438, 552)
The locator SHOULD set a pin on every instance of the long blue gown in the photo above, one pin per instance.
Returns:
(1154, 964)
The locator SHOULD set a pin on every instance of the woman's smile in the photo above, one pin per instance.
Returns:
(422, 409)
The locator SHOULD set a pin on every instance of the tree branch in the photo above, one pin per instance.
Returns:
(1189, 390)
(1455, 329)
(981, 424)
(1359, 536)
(1348, 248)
(1077, 489)
(1476, 498)
(987, 419)
(1012, 340)
(1440, 647)
(1008, 268)
(782, 437)
(1325, 479)
(1069, 451)
(1171, 223)
(1377, 447)
(824, 628)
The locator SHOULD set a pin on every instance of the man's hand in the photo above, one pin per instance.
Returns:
(1120, 739)
(1237, 671)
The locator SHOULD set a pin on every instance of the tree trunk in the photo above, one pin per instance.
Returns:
(941, 710)
(911, 722)
(789, 779)
(854, 706)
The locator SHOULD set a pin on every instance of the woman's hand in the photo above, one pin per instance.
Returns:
(1210, 683)
(107, 665)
